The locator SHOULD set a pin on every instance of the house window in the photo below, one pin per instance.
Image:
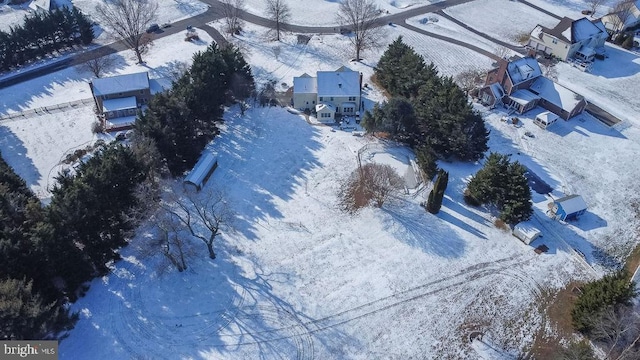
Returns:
(331, 98)
(313, 102)
(352, 98)
(555, 41)
(320, 98)
(141, 92)
(119, 94)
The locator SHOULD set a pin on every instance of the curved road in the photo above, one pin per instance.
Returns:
(214, 13)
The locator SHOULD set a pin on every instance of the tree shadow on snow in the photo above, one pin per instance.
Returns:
(264, 154)
(411, 224)
(14, 153)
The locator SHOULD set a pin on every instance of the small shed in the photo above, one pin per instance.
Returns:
(526, 232)
(201, 172)
(545, 119)
(569, 207)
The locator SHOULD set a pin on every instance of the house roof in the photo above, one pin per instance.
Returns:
(556, 93)
(547, 117)
(523, 96)
(582, 29)
(305, 84)
(40, 5)
(572, 31)
(120, 83)
(527, 229)
(560, 30)
(324, 107)
(159, 85)
(119, 104)
(339, 83)
(120, 122)
(572, 203)
(201, 169)
(523, 69)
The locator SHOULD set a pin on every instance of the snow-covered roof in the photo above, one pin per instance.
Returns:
(536, 31)
(497, 90)
(547, 117)
(201, 169)
(527, 229)
(572, 203)
(159, 85)
(523, 69)
(40, 5)
(598, 23)
(120, 122)
(587, 51)
(582, 29)
(120, 83)
(339, 83)
(523, 96)
(556, 93)
(305, 84)
(119, 104)
(324, 107)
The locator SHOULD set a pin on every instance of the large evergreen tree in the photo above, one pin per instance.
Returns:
(502, 183)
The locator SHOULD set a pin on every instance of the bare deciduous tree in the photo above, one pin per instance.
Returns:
(203, 215)
(279, 12)
(617, 330)
(470, 79)
(128, 20)
(622, 11)
(594, 5)
(95, 66)
(171, 240)
(371, 183)
(230, 11)
(361, 16)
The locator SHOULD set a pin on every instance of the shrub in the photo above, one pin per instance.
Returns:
(97, 127)
(370, 184)
(469, 199)
(628, 43)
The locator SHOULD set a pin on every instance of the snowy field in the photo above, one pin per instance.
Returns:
(502, 19)
(34, 145)
(300, 279)
(449, 58)
(443, 26)
(323, 12)
(573, 8)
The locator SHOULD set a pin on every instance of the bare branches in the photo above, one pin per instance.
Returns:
(622, 11)
(203, 215)
(279, 12)
(594, 5)
(371, 183)
(96, 66)
(469, 79)
(360, 16)
(128, 20)
(230, 11)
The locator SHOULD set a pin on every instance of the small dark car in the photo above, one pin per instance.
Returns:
(153, 28)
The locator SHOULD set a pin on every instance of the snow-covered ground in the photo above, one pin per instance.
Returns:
(443, 26)
(502, 19)
(298, 278)
(449, 58)
(573, 8)
(324, 12)
(35, 145)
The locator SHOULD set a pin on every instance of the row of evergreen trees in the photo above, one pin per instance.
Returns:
(42, 33)
(427, 111)
(182, 121)
(47, 252)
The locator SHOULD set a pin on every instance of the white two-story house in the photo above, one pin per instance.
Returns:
(329, 93)
(581, 39)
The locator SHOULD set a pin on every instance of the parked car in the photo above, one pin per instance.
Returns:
(587, 12)
(153, 28)
(166, 25)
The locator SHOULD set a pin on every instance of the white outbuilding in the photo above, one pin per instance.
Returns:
(545, 119)
(526, 232)
(201, 172)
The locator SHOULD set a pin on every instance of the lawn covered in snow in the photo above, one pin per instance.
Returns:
(502, 19)
(298, 278)
(34, 145)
